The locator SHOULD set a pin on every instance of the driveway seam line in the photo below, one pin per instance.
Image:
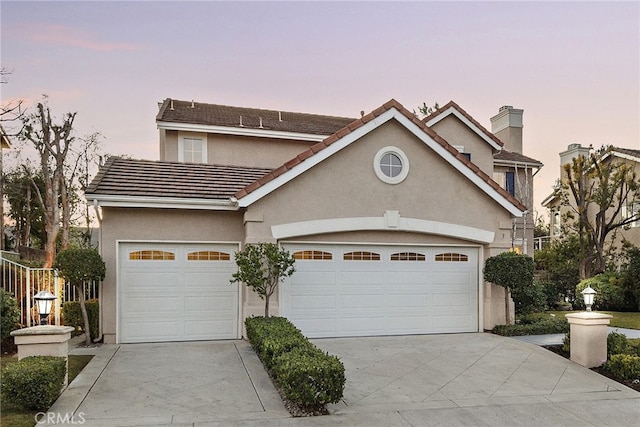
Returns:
(249, 376)
(97, 379)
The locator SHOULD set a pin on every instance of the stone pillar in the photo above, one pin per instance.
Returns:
(588, 332)
(44, 340)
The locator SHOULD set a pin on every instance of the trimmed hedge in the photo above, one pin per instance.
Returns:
(73, 316)
(306, 375)
(538, 327)
(625, 366)
(34, 382)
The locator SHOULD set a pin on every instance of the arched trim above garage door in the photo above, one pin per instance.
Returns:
(390, 221)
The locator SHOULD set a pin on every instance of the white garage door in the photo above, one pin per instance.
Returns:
(176, 292)
(348, 290)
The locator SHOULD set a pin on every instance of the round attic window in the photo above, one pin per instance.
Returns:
(391, 165)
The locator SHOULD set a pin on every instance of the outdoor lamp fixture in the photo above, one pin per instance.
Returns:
(44, 301)
(588, 294)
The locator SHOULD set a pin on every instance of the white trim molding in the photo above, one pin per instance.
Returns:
(391, 221)
(161, 202)
(224, 130)
(463, 119)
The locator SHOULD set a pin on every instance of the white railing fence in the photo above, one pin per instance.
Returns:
(24, 282)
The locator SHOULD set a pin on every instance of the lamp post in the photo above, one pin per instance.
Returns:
(44, 302)
(588, 294)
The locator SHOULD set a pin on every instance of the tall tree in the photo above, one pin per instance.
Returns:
(52, 142)
(596, 189)
(25, 211)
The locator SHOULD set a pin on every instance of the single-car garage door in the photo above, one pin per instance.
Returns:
(357, 290)
(176, 292)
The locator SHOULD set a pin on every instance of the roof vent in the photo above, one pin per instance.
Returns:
(241, 125)
(279, 116)
(192, 104)
(261, 127)
(171, 105)
(361, 113)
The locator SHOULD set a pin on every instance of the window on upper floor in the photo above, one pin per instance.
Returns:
(510, 183)
(506, 180)
(192, 148)
(460, 148)
(631, 210)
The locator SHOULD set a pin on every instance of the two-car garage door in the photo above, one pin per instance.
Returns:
(351, 290)
(176, 292)
(181, 291)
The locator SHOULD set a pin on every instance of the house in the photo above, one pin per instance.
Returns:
(629, 209)
(389, 217)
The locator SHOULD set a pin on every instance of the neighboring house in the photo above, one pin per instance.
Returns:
(390, 219)
(557, 211)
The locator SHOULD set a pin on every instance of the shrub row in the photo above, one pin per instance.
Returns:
(306, 375)
(539, 327)
(34, 382)
(73, 316)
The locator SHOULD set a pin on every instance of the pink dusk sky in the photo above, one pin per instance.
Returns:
(574, 67)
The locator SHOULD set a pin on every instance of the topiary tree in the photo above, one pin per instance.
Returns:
(9, 314)
(262, 267)
(78, 266)
(511, 271)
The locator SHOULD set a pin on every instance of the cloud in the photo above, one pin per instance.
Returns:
(69, 36)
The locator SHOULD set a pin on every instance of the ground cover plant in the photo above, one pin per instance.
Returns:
(306, 377)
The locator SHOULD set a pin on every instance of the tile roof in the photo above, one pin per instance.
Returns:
(510, 156)
(176, 111)
(628, 151)
(467, 116)
(300, 158)
(147, 178)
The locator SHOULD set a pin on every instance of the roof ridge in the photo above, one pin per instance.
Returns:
(260, 109)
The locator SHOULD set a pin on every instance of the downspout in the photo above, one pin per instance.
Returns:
(99, 217)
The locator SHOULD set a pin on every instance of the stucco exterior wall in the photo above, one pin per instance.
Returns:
(457, 133)
(238, 150)
(130, 224)
(346, 186)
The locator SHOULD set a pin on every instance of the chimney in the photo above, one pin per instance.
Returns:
(507, 126)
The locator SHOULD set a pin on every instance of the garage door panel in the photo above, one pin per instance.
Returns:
(313, 302)
(143, 280)
(139, 305)
(180, 299)
(408, 290)
(154, 331)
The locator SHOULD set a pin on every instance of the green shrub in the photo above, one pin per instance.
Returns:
(310, 377)
(9, 313)
(617, 344)
(624, 366)
(610, 292)
(540, 327)
(529, 299)
(73, 316)
(305, 374)
(34, 382)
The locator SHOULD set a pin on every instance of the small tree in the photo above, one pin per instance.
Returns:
(262, 267)
(511, 271)
(78, 266)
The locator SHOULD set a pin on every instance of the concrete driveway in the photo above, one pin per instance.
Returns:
(431, 380)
